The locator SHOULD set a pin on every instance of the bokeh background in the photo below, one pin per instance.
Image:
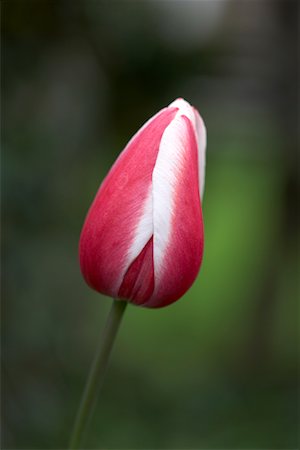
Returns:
(219, 368)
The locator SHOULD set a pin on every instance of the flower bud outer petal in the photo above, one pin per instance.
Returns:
(177, 214)
(117, 227)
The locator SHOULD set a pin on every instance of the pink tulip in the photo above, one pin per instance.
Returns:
(142, 240)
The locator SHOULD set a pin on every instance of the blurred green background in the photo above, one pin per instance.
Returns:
(219, 368)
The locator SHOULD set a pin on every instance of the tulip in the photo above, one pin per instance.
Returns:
(142, 240)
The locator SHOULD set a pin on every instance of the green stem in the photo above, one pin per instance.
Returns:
(97, 372)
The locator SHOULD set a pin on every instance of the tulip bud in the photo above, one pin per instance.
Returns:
(142, 240)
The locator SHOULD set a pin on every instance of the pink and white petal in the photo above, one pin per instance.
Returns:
(184, 108)
(201, 139)
(177, 215)
(118, 224)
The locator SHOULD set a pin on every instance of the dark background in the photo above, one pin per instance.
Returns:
(219, 368)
